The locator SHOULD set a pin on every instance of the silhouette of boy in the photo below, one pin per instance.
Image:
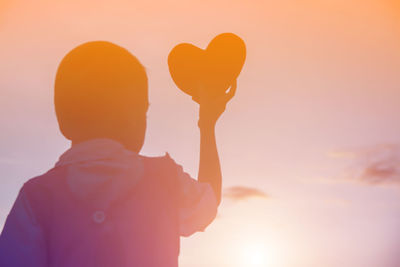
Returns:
(103, 204)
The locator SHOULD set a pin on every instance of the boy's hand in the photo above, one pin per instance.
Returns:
(212, 108)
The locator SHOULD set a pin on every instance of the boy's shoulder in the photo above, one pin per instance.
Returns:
(159, 162)
(164, 158)
(45, 179)
(43, 184)
(46, 185)
(54, 177)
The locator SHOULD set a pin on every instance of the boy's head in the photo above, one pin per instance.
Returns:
(101, 92)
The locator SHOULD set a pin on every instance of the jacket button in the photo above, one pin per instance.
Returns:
(99, 216)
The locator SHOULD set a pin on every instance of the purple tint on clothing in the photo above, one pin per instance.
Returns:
(140, 228)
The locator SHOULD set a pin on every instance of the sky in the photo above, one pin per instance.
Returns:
(309, 145)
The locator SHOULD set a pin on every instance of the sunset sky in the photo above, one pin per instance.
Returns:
(309, 146)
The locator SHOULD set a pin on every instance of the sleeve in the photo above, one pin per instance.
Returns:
(197, 204)
(21, 241)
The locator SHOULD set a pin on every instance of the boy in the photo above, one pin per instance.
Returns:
(103, 204)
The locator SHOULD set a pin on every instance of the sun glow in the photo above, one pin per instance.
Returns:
(258, 255)
(255, 256)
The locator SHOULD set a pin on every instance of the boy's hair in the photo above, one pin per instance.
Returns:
(99, 88)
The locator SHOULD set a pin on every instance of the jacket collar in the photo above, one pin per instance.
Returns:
(94, 150)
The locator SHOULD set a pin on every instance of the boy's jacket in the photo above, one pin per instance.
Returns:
(103, 205)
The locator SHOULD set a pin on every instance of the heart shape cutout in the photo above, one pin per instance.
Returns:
(208, 72)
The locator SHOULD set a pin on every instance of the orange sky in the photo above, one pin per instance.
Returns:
(320, 77)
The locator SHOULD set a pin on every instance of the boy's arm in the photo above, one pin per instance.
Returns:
(209, 166)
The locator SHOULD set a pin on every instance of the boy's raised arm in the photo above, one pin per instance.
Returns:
(209, 166)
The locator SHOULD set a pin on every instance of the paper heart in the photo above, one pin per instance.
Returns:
(208, 72)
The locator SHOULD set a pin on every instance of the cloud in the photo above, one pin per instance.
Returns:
(382, 172)
(378, 164)
(242, 193)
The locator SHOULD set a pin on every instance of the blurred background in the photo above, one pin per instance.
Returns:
(309, 146)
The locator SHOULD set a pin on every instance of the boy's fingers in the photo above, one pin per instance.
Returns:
(202, 98)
